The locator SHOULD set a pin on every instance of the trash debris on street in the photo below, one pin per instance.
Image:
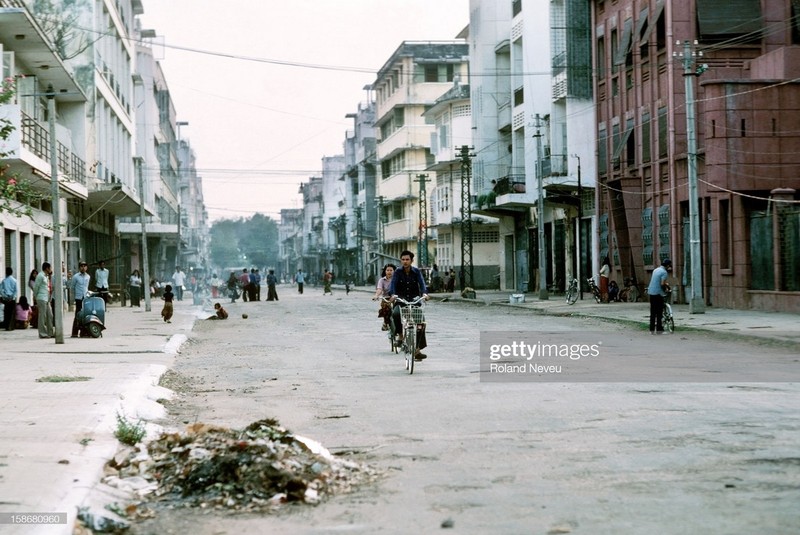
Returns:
(258, 468)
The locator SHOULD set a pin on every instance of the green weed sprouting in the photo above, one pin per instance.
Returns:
(128, 432)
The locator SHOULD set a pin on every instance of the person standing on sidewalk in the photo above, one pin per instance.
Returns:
(300, 279)
(605, 271)
(658, 283)
(41, 296)
(8, 296)
(101, 281)
(178, 280)
(80, 287)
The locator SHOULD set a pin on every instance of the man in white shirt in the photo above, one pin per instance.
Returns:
(101, 280)
(178, 280)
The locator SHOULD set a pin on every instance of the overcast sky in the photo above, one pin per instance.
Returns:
(260, 127)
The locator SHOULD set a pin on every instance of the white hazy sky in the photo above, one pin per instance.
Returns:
(258, 128)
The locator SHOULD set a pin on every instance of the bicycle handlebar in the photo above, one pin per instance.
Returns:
(415, 301)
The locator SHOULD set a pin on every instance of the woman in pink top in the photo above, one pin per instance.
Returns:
(382, 290)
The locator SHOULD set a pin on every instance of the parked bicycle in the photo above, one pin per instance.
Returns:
(572, 292)
(667, 319)
(412, 319)
(594, 289)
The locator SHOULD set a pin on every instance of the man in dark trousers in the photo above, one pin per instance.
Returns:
(408, 284)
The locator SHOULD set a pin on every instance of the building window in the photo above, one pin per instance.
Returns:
(645, 136)
(725, 253)
(662, 133)
(601, 58)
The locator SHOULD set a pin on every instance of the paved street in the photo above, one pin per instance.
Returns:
(511, 457)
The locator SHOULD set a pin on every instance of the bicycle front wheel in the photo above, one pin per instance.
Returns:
(572, 296)
(410, 347)
(669, 321)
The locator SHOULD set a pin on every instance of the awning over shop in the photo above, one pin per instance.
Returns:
(116, 199)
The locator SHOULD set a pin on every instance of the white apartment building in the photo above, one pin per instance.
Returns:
(406, 86)
(532, 114)
(35, 72)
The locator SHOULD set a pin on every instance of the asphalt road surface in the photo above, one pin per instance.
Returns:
(626, 452)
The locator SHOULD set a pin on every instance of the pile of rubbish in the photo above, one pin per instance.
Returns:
(254, 469)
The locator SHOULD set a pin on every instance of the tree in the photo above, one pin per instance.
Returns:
(244, 242)
(17, 196)
(60, 21)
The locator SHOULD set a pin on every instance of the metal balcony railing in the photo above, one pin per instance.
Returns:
(36, 138)
(509, 184)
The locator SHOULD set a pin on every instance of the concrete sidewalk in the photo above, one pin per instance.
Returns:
(60, 401)
(766, 326)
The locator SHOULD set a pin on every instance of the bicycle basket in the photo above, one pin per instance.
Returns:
(413, 314)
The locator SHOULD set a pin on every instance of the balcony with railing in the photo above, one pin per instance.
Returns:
(27, 152)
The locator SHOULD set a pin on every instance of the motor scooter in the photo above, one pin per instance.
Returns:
(92, 317)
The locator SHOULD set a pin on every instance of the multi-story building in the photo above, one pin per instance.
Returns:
(530, 64)
(290, 236)
(407, 85)
(156, 169)
(741, 65)
(194, 246)
(472, 250)
(32, 73)
(361, 161)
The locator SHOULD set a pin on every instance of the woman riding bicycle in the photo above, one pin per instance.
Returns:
(382, 290)
(408, 284)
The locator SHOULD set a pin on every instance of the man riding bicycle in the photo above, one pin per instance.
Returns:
(408, 284)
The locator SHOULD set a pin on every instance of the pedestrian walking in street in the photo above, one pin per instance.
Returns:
(244, 282)
(656, 291)
(8, 296)
(258, 285)
(101, 281)
(251, 288)
(42, 291)
(300, 279)
(80, 289)
(168, 297)
(233, 287)
(272, 280)
(327, 278)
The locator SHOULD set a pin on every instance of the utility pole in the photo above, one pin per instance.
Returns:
(58, 282)
(543, 295)
(359, 247)
(422, 233)
(379, 222)
(467, 268)
(579, 263)
(696, 302)
(145, 255)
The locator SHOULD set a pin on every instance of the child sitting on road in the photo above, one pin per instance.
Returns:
(168, 297)
(221, 314)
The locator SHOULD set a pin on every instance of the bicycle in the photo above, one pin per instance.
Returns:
(667, 320)
(572, 292)
(394, 348)
(594, 289)
(412, 318)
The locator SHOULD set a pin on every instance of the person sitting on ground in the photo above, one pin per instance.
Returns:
(221, 314)
(23, 313)
(613, 291)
